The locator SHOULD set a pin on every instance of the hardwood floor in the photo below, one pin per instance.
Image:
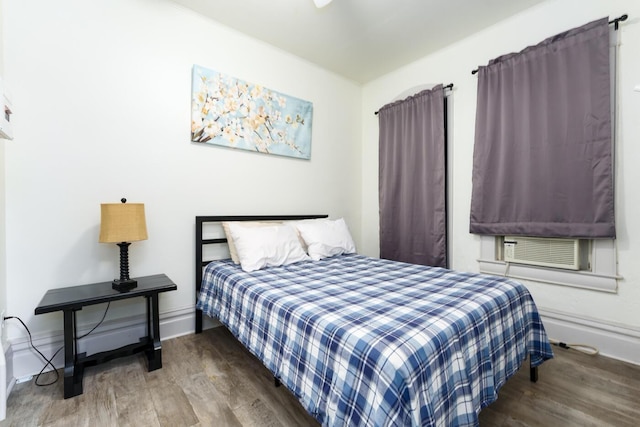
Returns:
(211, 380)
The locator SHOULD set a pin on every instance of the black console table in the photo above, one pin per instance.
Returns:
(71, 299)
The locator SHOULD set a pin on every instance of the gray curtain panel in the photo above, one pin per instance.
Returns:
(412, 174)
(542, 163)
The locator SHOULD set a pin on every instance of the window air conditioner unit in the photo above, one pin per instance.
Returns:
(545, 252)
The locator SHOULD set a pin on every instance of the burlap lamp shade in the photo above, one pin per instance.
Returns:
(122, 222)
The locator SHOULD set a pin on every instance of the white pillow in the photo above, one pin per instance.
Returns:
(326, 238)
(294, 224)
(232, 246)
(267, 246)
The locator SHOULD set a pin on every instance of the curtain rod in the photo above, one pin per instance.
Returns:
(615, 22)
(449, 86)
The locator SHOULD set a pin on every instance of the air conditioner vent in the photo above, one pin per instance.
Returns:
(545, 252)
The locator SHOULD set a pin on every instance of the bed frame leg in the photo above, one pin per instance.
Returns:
(533, 373)
(276, 382)
(198, 321)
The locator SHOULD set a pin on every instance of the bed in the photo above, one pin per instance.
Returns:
(366, 341)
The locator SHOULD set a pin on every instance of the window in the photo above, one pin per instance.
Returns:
(546, 193)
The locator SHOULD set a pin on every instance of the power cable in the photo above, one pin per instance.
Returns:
(48, 362)
(582, 348)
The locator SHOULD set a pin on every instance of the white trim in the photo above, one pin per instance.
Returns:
(602, 277)
(110, 335)
(4, 395)
(10, 381)
(613, 340)
(576, 279)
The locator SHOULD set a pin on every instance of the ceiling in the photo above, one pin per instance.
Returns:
(359, 39)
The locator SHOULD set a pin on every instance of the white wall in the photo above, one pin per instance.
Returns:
(101, 93)
(454, 64)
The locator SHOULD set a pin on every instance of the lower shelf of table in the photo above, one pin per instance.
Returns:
(74, 373)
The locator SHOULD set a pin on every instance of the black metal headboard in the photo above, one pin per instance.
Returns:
(201, 242)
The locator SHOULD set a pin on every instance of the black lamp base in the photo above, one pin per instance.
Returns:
(124, 285)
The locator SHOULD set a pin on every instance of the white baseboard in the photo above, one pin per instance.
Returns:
(7, 381)
(3, 384)
(110, 335)
(619, 342)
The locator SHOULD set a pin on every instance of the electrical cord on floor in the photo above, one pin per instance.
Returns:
(48, 362)
(583, 348)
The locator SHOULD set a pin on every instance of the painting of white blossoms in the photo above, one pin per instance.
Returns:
(233, 113)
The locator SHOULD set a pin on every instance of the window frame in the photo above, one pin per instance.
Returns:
(602, 277)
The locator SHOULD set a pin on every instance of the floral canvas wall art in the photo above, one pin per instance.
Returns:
(230, 112)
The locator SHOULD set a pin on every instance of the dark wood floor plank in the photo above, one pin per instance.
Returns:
(92, 408)
(186, 358)
(124, 376)
(209, 405)
(574, 389)
(133, 411)
(257, 414)
(171, 404)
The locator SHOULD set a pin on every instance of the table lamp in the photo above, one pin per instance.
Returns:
(122, 223)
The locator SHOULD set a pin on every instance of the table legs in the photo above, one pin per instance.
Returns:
(72, 372)
(154, 352)
(75, 363)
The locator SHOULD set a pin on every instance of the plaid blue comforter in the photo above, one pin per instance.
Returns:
(364, 341)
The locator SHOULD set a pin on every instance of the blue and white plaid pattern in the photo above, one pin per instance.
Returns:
(364, 341)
